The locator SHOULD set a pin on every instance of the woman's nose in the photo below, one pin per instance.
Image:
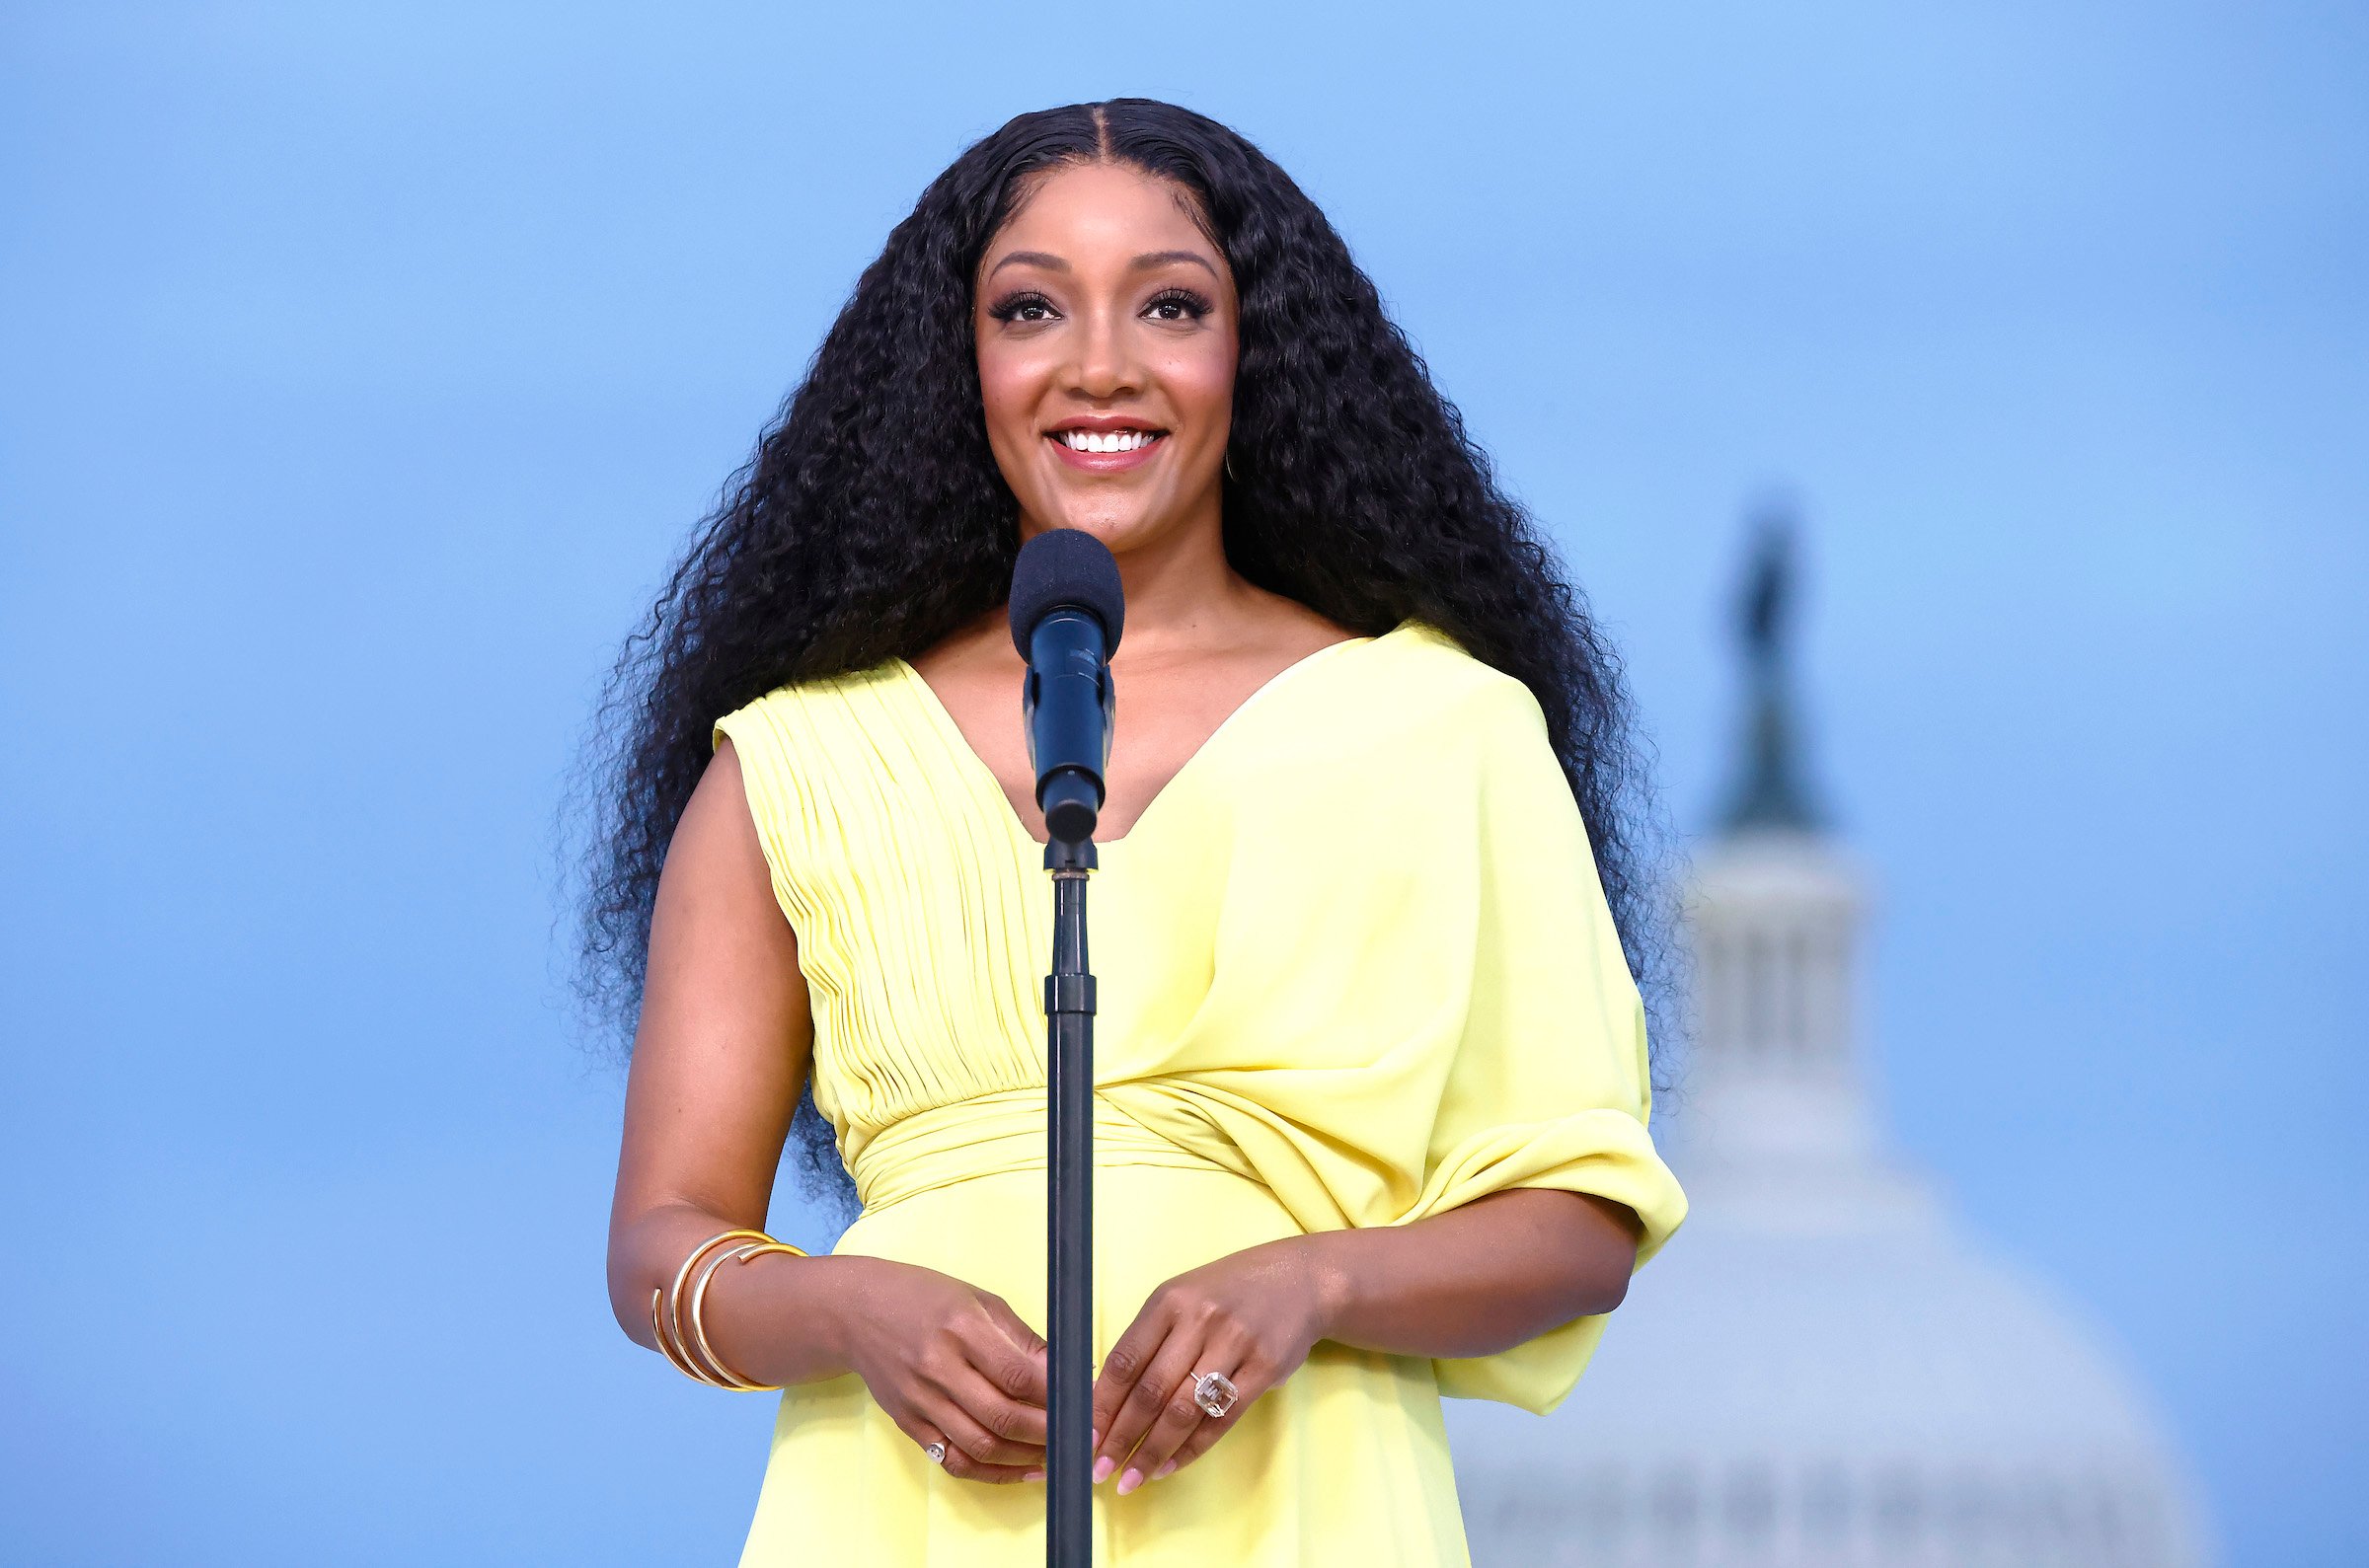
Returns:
(1107, 366)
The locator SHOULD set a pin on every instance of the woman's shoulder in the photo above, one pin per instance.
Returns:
(800, 734)
(822, 737)
(1421, 671)
(814, 697)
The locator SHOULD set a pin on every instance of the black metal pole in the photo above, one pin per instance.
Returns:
(1069, 1217)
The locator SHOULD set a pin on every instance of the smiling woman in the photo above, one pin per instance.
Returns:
(1372, 1079)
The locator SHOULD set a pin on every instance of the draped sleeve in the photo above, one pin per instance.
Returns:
(1550, 1085)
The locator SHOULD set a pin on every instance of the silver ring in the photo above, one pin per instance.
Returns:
(1215, 1394)
(937, 1453)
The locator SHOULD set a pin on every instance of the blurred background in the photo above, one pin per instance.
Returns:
(362, 367)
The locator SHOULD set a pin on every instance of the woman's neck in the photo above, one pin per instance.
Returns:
(1183, 593)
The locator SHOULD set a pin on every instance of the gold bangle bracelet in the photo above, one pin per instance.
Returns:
(698, 1339)
(671, 1343)
(667, 1348)
(695, 1338)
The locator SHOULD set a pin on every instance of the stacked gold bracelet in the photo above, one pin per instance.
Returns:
(691, 1353)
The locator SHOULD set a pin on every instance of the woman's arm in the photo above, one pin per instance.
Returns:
(1478, 1279)
(719, 1061)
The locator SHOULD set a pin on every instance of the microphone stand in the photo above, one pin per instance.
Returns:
(1069, 1212)
(1068, 708)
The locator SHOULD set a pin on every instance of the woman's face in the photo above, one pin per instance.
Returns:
(1106, 330)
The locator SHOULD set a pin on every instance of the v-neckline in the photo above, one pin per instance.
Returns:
(985, 775)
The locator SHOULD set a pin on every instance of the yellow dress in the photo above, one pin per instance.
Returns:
(1355, 968)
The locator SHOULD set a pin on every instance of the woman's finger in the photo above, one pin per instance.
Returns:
(1130, 1356)
(1181, 1415)
(984, 1424)
(973, 1452)
(1144, 1398)
(963, 1467)
(924, 1435)
(988, 1401)
(938, 1451)
(1249, 1385)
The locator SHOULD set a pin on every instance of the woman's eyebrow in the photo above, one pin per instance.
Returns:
(1044, 258)
(1152, 259)
(1053, 263)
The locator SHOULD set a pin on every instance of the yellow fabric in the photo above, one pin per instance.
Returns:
(1355, 968)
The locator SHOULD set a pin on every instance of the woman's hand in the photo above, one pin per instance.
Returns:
(1471, 1281)
(950, 1362)
(1252, 1316)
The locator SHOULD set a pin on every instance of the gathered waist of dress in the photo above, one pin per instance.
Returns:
(993, 1134)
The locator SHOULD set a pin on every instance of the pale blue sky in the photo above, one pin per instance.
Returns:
(362, 366)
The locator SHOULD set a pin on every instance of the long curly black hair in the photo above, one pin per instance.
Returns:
(1352, 489)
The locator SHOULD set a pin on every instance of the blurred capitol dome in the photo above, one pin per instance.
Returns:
(1820, 1370)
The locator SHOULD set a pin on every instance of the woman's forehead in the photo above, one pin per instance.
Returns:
(1099, 210)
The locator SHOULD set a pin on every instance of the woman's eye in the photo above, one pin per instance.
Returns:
(1177, 305)
(1024, 308)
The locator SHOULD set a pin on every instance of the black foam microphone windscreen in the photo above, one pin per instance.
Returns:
(1066, 568)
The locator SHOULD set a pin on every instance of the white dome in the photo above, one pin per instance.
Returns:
(1818, 1370)
(1873, 1398)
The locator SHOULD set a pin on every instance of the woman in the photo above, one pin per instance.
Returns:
(1371, 1070)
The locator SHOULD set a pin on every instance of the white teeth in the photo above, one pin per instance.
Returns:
(1098, 441)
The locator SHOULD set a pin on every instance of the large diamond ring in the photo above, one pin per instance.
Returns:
(1215, 1393)
(937, 1453)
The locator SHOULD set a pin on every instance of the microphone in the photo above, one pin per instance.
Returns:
(1067, 609)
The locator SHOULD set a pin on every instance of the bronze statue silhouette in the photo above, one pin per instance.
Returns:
(1770, 793)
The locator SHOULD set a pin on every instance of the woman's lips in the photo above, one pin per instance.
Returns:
(1107, 462)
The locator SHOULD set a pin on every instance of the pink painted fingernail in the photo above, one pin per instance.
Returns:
(1102, 1468)
(1033, 1475)
(1165, 1471)
(1130, 1481)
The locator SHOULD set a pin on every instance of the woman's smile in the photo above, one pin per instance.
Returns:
(1104, 446)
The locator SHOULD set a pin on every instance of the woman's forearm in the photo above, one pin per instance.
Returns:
(1476, 1280)
(773, 1320)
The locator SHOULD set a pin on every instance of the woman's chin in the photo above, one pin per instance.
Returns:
(1121, 528)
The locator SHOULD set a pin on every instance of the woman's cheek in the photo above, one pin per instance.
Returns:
(1002, 386)
(1007, 397)
(1201, 388)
